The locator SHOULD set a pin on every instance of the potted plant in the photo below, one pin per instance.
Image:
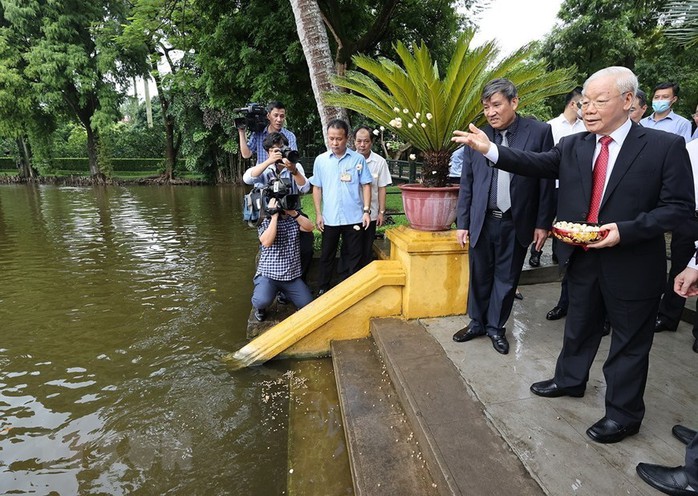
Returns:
(423, 107)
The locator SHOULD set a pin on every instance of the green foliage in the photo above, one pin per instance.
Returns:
(423, 106)
(599, 33)
(81, 164)
(681, 19)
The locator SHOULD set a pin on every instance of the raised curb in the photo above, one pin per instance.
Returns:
(383, 455)
(463, 450)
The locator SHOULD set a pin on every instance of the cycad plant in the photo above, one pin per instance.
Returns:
(424, 107)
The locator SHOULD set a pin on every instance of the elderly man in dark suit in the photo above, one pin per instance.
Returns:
(501, 213)
(637, 183)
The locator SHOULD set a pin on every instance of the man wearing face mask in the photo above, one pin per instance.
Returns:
(664, 118)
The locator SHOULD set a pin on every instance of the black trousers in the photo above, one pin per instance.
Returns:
(496, 261)
(682, 249)
(368, 236)
(351, 258)
(627, 363)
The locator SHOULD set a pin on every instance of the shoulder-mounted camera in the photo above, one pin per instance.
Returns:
(253, 117)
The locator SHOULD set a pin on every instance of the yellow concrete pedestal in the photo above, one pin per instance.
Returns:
(426, 276)
(437, 272)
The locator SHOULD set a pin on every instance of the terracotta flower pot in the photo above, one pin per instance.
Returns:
(429, 209)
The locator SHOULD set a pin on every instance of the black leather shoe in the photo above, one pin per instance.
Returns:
(548, 389)
(260, 315)
(683, 434)
(608, 431)
(556, 313)
(695, 346)
(668, 480)
(500, 344)
(661, 325)
(534, 260)
(606, 328)
(468, 333)
(518, 295)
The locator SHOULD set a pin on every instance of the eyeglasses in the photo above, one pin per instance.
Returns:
(598, 104)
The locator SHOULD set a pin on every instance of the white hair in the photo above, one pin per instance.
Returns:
(626, 80)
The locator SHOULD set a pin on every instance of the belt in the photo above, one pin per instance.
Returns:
(498, 214)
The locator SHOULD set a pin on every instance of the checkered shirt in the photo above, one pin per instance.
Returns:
(282, 260)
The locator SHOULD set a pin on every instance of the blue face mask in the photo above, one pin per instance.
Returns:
(660, 106)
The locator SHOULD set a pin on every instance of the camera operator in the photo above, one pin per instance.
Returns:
(276, 115)
(276, 165)
(279, 267)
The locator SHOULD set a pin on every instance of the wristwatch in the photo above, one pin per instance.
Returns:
(298, 214)
(367, 210)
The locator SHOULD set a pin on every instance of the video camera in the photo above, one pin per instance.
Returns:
(254, 117)
(281, 190)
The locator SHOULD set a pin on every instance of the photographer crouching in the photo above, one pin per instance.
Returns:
(282, 164)
(279, 267)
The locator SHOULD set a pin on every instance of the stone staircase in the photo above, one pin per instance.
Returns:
(413, 427)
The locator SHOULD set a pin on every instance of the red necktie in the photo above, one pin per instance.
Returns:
(598, 180)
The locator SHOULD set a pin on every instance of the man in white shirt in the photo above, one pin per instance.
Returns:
(568, 122)
(363, 142)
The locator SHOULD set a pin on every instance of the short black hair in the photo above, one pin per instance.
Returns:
(275, 104)
(273, 139)
(573, 94)
(641, 97)
(666, 85)
(370, 131)
(339, 124)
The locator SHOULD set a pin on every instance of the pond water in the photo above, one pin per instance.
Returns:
(116, 305)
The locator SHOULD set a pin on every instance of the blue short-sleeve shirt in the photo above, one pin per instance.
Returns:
(341, 180)
(256, 140)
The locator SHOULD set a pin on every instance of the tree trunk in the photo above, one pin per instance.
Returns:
(170, 151)
(316, 47)
(171, 147)
(25, 163)
(435, 168)
(92, 144)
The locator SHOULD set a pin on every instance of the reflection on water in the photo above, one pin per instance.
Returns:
(115, 306)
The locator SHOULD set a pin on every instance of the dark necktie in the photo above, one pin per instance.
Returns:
(598, 180)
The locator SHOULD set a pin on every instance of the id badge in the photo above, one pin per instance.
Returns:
(345, 177)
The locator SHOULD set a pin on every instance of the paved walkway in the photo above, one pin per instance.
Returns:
(548, 435)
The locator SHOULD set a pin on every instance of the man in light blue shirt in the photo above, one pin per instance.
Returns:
(342, 196)
(664, 118)
(455, 166)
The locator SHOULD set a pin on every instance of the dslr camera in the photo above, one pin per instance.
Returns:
(281, 190)
(254, 117)
(287, 153)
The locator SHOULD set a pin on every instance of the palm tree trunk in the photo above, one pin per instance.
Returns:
(316, 48)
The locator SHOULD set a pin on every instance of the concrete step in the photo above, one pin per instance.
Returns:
(465, 454)
(384, 455)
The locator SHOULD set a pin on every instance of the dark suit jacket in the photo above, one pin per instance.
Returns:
(650, 191)
(531, 199)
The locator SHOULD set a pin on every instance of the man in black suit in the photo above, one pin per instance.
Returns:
(640, 187)
(681, 480)
(501, 213)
